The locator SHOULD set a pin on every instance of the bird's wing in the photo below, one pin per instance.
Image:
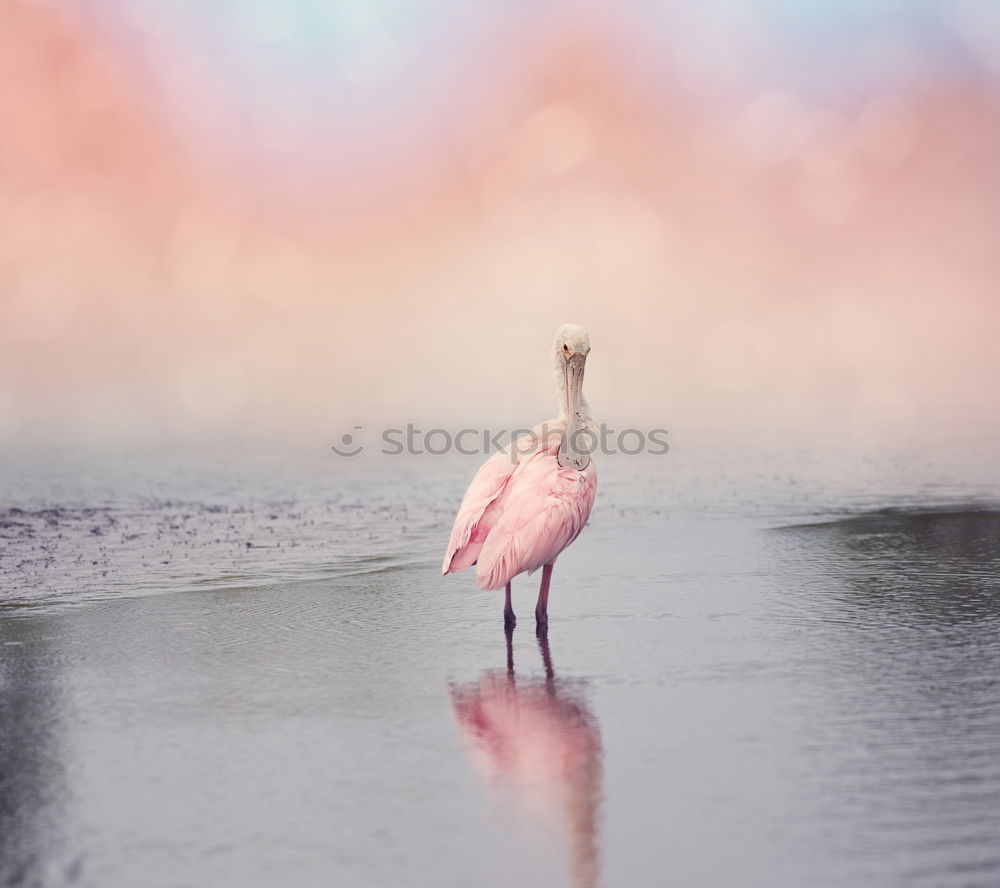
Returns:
(473, 521)
(542, 509)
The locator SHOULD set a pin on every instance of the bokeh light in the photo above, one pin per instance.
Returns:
(258, 218)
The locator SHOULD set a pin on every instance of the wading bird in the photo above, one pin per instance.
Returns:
(529, 502)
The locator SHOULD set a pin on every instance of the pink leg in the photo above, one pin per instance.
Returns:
(542, 608)
(508, 611)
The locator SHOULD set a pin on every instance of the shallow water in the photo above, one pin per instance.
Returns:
(752, 677)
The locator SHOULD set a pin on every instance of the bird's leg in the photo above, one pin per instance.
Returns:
(542, 608)
(509, 620)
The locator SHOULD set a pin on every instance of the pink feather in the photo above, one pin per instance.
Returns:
(519, 515)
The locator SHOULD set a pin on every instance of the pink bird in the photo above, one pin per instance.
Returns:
(529, 502)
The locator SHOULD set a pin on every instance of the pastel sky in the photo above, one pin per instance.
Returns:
(243, 217)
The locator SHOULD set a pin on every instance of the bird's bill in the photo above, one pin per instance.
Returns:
(574, 384)
(570, 453)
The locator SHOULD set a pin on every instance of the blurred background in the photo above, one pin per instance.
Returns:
(257, 219)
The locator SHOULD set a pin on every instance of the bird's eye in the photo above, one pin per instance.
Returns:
(565, 348)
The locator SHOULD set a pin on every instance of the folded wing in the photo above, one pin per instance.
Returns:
(476, 514)
(541, 510)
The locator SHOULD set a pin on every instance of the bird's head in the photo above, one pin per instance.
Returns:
(571, 340)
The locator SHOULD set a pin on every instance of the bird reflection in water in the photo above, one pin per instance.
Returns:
(536, 742)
